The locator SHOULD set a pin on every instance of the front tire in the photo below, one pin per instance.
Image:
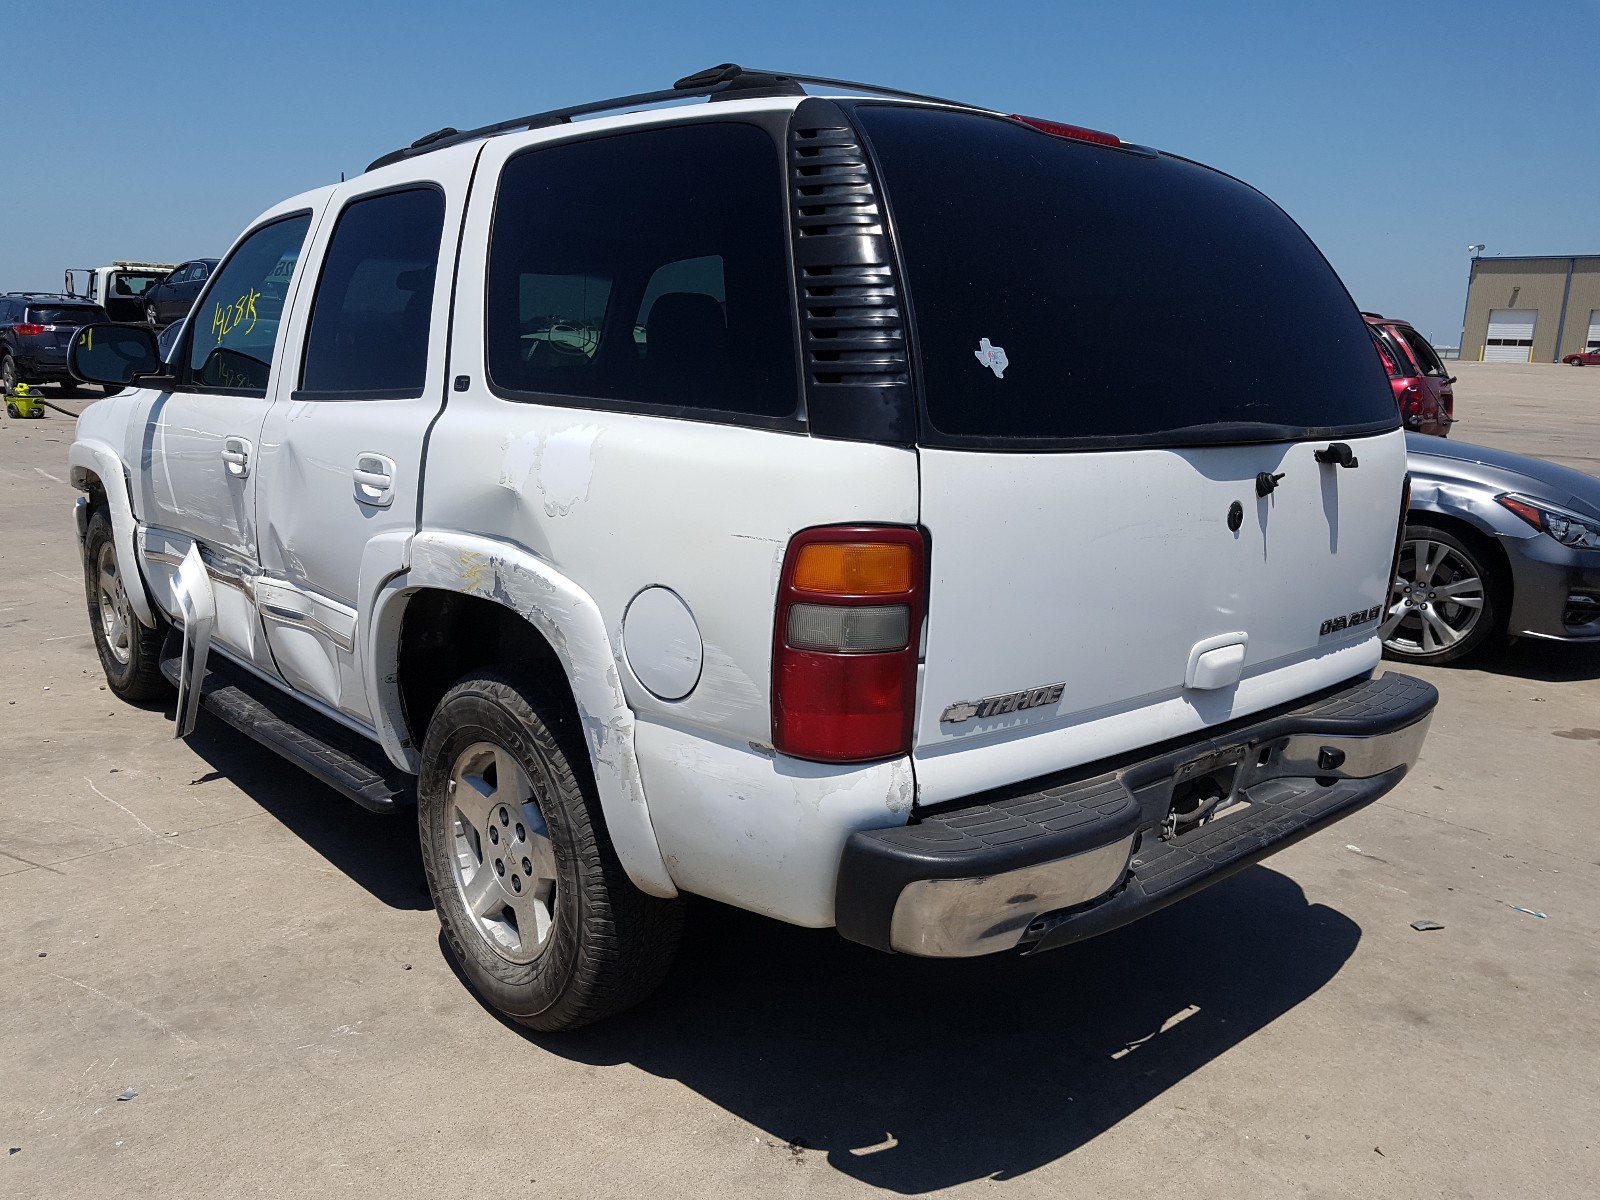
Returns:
(129, 652)
(1448, 596)
(535, 905)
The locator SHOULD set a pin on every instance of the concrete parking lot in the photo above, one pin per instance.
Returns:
(257, 959)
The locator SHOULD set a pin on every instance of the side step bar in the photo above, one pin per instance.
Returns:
(305, 737)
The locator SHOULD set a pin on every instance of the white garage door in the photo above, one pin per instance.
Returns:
(1594, 330)
(1510, 335)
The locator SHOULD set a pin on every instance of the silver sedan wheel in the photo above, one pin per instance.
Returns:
(116, 618)
(501, 855)
(1436, 599)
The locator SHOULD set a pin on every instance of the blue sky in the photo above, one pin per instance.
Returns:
(1396, 134)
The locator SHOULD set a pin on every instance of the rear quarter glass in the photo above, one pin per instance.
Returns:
(1130, 294)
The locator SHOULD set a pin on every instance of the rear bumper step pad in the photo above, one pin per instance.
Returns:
(1048, 867)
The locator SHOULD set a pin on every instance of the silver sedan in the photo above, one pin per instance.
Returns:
(1495, 543)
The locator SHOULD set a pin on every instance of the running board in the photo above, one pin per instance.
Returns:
(321, 747)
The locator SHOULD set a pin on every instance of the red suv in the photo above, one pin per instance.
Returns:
(1421, 386)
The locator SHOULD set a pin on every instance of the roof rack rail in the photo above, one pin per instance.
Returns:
(724, 81)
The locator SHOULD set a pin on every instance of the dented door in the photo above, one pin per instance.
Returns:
(342, 449)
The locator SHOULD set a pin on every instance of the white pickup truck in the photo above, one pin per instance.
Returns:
(118, 287)
(870, 510)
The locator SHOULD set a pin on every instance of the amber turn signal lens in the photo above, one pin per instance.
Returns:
(854, 568)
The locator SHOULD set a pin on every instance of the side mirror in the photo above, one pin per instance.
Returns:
(1450, 379)
(115, 354)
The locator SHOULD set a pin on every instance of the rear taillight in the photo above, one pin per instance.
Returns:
(1412, 406)
(1076, 132)
(844, 665)
(29, 330)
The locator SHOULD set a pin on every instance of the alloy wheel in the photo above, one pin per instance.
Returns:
(502, 859)
(1436, 600)
(116, 618)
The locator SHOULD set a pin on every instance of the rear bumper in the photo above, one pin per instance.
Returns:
(43, 370)
(1064, 862)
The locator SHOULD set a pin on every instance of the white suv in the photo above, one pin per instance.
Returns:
(860, 509)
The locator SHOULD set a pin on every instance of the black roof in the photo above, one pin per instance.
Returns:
(726, 81)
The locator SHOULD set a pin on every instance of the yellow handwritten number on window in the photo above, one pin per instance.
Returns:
(228, 317)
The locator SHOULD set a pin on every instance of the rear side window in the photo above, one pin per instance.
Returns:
(1386, 352)
(371, 315)
(1424, 353)
(645, 270)
(235, 331)
(1395, 350)
(1069, 295)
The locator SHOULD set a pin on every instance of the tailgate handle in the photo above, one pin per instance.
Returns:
(1338, 454)
(1216, 662)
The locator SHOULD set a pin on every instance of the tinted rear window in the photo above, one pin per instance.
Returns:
(125, 284)
(1069, 294)
(63, 314)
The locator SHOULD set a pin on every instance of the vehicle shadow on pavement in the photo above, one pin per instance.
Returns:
(914, 1075)
(378, 851)
(1546, 662)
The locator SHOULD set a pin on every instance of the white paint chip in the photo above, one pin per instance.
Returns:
(517, 458)
(565, 466)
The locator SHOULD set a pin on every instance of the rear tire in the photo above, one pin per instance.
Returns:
(1448, 597)
(129, 652)
(8, 376)
(535, 905)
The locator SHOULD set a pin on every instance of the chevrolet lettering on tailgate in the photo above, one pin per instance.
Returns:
(1010, 702)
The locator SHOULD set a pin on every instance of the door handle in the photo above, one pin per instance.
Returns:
(236, 453)
(374, 476)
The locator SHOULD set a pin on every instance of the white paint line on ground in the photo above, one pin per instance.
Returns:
(123, 807)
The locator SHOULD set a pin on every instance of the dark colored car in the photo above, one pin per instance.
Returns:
(1584, 358)
(1494, 543)
(1421, 384)
(35, 330)
(174, 296)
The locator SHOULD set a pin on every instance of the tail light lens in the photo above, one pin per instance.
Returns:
(844, 666)
(29, 330)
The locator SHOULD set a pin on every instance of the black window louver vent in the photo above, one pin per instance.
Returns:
(852, 324)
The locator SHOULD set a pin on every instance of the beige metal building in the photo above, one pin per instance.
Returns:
(1532, 309)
